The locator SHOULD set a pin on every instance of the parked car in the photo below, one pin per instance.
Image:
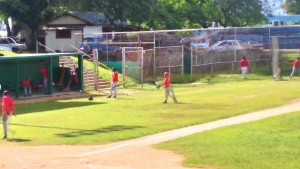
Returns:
(104, 47)
(253, 45)
(196, 42)
(225, 45)
(200, 43)
(5, 48)
(12, 44)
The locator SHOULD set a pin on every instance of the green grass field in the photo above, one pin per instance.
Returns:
(271, 143)
(141, 112)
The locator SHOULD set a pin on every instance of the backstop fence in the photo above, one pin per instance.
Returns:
(192, 51)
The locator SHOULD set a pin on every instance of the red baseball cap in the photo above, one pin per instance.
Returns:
(166, 73)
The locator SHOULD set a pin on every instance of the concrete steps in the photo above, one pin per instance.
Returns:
(88, 75)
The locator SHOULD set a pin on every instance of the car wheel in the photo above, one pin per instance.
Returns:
(15, 50)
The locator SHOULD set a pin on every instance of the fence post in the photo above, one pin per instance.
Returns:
(276, 59)
(95, 59)
(37, 46)
(142, 66)
(123, 66)
(182, 62)
(191, 62)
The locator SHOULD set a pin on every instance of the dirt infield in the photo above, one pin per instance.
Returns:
(131, 154)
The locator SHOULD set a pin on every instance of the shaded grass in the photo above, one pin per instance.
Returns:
(141, 112)
(271, 143)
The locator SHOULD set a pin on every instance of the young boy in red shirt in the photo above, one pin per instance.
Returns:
(295, 67)
(8, 107)
(114, 81)
(27, 87)
(44, 73)
(244, 63)
(168, 88)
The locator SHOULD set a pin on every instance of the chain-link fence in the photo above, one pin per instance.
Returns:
(285, 50)
(192, 51)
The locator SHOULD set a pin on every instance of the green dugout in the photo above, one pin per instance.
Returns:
(13, 69)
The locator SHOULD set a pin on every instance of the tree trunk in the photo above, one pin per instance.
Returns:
(7, 27)
(31, 38)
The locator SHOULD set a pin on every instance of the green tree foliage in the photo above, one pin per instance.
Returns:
(196, 13)
(31, 13)
(172, 14)
(138, 12)
(291, 6)
(239, 12)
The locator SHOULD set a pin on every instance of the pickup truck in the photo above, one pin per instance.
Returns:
(105, 48)
(12, 44)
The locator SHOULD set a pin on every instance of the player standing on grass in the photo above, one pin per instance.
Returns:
(244, 63)
(168, 88)
(8, 107)
(295, 67)
(114, 81)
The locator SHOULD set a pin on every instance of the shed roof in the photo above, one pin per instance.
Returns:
(94, 17)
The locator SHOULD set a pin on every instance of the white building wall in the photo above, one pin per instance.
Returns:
(89, 31)
(63, 45)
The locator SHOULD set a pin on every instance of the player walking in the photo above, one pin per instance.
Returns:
(114, 81)
(8, 107)
(295, 67)
(168, 88)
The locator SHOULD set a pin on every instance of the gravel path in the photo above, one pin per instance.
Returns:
(131, 154)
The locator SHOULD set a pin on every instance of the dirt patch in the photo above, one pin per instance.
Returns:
(195, 84)
(247, 96)
(293, 101)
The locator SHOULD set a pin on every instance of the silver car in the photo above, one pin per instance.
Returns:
(226, 45)
(12, 44)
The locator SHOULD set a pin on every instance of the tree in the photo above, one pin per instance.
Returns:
(137, 12)
(31, 13)
(196, 13)
(291, 6)
(239, 12)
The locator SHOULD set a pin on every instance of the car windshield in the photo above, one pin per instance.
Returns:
(10, 40)
(221, 44)
(3, 41)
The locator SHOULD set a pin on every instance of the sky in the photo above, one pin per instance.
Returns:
(276, 5)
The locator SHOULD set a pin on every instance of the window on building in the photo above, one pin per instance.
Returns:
(63, 34)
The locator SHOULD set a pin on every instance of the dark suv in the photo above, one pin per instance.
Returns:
(105, 48)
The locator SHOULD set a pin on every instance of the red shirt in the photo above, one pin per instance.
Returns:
(296, 63)
(115, 77)
(167, 82)
(44, 72)
(7, 105)
(244, 63)
(75, 77)
(25, 82)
